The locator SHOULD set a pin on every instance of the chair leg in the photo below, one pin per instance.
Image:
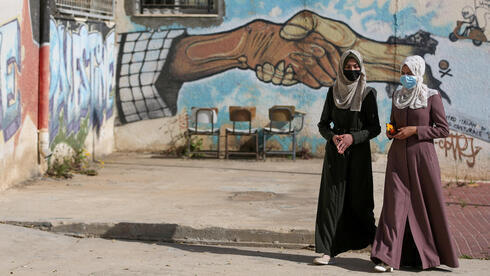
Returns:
(217, 153)
(264, 154)
(226, 145)
(188, 145)
(257, 146)
(294, 146)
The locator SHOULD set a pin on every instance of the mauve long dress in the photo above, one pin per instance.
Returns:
(413, 191)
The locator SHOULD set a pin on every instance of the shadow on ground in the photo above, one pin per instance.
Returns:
(238, 251)
(347, 263)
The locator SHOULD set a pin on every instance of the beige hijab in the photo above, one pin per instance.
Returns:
(349, 94)
(416, 97)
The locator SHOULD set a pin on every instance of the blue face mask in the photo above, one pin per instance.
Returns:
(408, 81)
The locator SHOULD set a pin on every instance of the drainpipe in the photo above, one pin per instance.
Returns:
(43, 100)
(43, 111)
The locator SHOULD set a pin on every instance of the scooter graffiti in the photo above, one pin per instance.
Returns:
(82, 76)
(10, 104)
(474, 25)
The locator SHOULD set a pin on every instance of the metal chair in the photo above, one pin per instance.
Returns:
(199, 117)
(242, 114)
(282, 114)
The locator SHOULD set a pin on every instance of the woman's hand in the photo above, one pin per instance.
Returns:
(345, 141)
(336, 139)
(405, 132)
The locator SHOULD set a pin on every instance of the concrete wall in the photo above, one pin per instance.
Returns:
(79, 74)
(19, 63)
(81, 90)
(166, 67)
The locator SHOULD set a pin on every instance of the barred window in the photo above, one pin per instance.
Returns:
(99, 9)
(176, 7)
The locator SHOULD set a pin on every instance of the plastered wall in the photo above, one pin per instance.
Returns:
(80, 68)
(81, 88)
(262, 53)
(19, 50)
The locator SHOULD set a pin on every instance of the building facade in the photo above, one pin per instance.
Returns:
(173, 56)
(104, 75)
(57, 67)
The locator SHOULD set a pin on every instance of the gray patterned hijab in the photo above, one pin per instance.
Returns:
(349, 94)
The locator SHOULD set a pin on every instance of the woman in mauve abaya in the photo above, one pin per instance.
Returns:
(345, 217)
(413, 229)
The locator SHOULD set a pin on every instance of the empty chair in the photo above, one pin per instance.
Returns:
(242, 114)
(281, 123)
(203, 121)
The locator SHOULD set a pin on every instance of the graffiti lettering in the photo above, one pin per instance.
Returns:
(467, 126)
(82, 74)
(10, 105)
(461, 146)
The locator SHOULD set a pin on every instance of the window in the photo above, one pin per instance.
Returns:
(178, 7)
(99, 9)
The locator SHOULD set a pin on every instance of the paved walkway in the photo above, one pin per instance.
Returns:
(146, 197)
(31, 252)
(273, 203)
(469, 218)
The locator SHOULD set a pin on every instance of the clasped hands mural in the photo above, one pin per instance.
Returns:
(305, 49)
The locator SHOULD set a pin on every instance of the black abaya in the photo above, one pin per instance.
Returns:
(345, 217)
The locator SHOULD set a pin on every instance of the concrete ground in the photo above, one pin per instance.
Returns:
(233, 202)
(143, 191)
(32, 252)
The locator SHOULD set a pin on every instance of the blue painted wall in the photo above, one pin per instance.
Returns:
(82, 68)
(455, 67)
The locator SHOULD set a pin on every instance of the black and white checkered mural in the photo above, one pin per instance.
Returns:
(144, 89)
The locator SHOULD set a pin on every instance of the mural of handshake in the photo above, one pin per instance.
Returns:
(305, 49)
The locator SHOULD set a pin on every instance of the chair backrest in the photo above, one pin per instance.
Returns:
(242, 113)
(205, 115)
(281, 113)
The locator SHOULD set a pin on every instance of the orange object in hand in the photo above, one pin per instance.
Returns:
(390, 129)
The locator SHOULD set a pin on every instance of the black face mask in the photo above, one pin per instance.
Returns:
(352, 75)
